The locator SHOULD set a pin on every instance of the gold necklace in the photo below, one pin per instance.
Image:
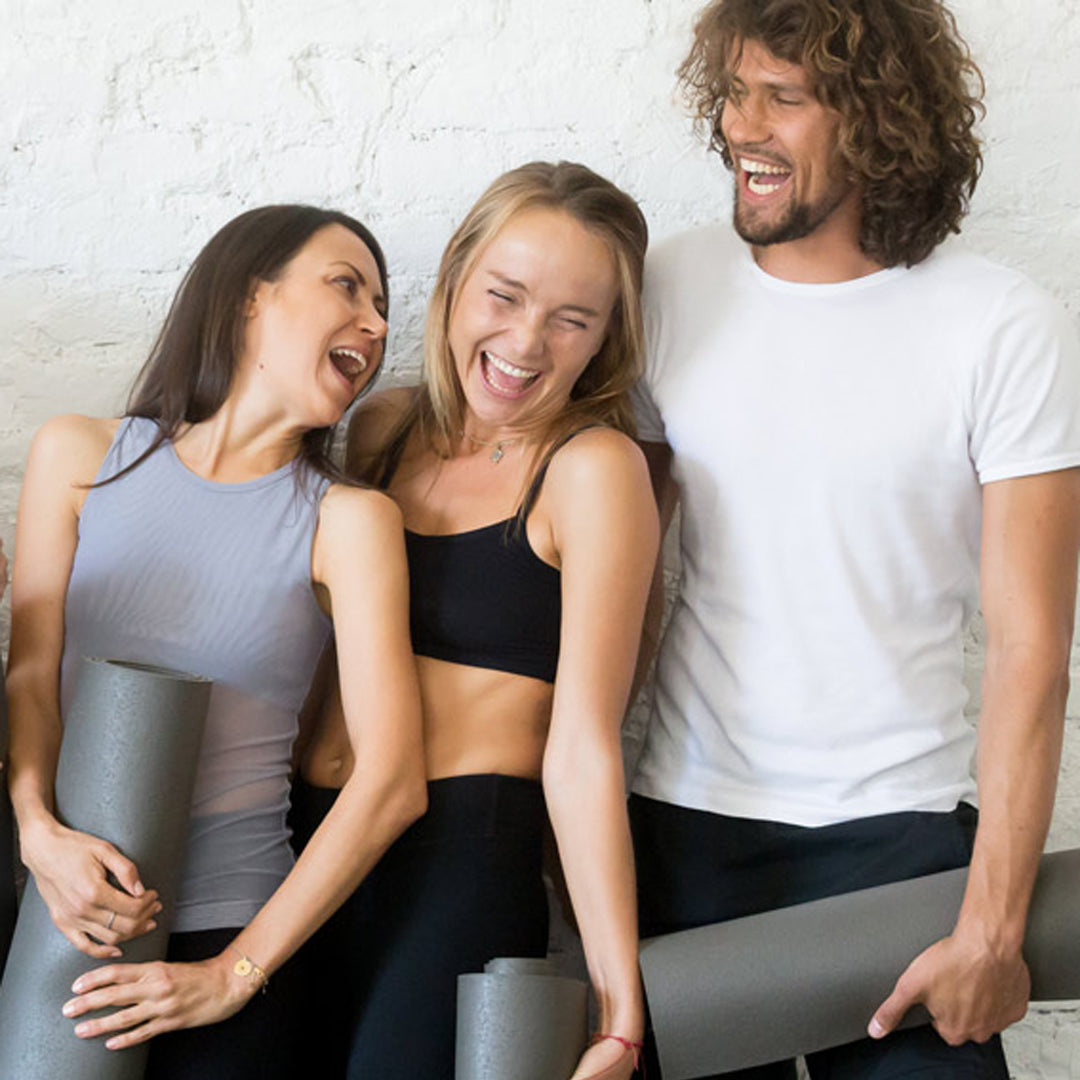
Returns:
(498, 448)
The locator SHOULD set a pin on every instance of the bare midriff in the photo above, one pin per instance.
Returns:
(476, 720)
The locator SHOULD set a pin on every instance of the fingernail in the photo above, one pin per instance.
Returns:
(151, 925)
(69, 1008)
(76, 986)
(157, 908)
(876, 1029)
(82, 1030)
(112, 1044)
(139, 890)
(116, 952)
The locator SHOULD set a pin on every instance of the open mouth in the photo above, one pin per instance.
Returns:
(505, 378)
(349, 362)
(763, 178)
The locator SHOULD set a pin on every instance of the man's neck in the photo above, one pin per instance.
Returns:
(793, 262)
(831, 253)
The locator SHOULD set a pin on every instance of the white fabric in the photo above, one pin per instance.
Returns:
(829, 446)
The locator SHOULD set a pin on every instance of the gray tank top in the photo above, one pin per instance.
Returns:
(214, 579)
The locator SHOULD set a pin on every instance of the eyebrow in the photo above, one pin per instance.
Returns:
(513, 283)
(775, 85)
(378, 298)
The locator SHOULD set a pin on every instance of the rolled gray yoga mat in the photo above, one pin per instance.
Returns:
(519, 1020)
(804, 978)
(126, 773)
(7, 840)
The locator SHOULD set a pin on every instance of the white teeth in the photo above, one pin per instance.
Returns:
(507, 368)
(359, 361)
(751, 166)
(760, 187)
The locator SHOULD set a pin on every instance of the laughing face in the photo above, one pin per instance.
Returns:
(314, 335)
(790, 180)
(527, 320)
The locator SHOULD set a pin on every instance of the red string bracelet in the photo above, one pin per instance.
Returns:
(629, 1044)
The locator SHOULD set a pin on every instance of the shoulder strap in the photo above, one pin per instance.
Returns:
(533, 492)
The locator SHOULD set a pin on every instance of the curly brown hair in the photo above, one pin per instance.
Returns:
(903, 81)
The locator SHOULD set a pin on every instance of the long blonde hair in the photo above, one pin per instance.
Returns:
(601, 394)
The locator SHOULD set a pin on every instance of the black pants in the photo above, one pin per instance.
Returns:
(461, 886)
(696, 868)
(261, 1042)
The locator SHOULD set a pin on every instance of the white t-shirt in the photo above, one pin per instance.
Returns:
(830, 442)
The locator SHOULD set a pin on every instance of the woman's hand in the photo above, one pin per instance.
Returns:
(157, 997)
(606, 1058)
(71, 872)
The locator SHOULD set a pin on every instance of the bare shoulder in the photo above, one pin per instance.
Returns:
(360, 533)
(72, 446)
(348, 510)
(372, 422)
(596, 459)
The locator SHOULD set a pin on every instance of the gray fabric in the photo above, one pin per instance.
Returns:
(7, 840)
(519, 1019)
(788, 982)
(185, 573)
(126, 771)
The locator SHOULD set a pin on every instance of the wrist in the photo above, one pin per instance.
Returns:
(624, 1019)
(37, 826)
(245, 972)
(996, 935)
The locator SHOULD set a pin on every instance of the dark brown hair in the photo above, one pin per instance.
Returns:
(905, 86)
(190, 369)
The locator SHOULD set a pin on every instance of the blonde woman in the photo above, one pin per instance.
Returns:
(531, 535)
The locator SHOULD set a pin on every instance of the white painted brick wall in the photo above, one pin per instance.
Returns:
(131, 130)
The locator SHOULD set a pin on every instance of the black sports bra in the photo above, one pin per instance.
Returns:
(486, 599)
(483, 597)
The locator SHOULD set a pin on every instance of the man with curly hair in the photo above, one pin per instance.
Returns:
(872, 431)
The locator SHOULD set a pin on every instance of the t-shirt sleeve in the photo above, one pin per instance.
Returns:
(650, 423)
(1026, 392)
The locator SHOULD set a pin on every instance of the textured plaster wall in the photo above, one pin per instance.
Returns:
(131, 130)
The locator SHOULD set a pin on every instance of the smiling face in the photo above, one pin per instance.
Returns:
(790, 179)
(314, 335)
(528, 318)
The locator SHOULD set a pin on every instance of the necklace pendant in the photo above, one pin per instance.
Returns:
(497, 454)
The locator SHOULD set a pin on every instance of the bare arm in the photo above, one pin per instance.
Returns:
(606, 531)
(975, 982)
(360, 558)
(69, 867)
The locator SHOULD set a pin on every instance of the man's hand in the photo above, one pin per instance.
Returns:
(971, 990)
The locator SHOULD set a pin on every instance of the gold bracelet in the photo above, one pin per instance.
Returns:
(246, 968)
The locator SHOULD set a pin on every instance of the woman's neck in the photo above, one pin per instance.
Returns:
(237, 444)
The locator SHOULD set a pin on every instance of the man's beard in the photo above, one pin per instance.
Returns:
(798, 221)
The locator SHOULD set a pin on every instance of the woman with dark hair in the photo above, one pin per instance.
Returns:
(531, 537)
(207, 530)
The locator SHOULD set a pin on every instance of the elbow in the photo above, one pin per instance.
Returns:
(413, 801)
(407, 798)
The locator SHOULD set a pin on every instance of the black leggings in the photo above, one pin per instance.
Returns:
(261, 1042)
(461, 886)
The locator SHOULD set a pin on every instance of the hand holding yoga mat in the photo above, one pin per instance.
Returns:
(519, 1021)
(7, 840)
(126, 773)
(804, 978)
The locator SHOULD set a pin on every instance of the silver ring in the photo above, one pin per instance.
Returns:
(112, 919)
